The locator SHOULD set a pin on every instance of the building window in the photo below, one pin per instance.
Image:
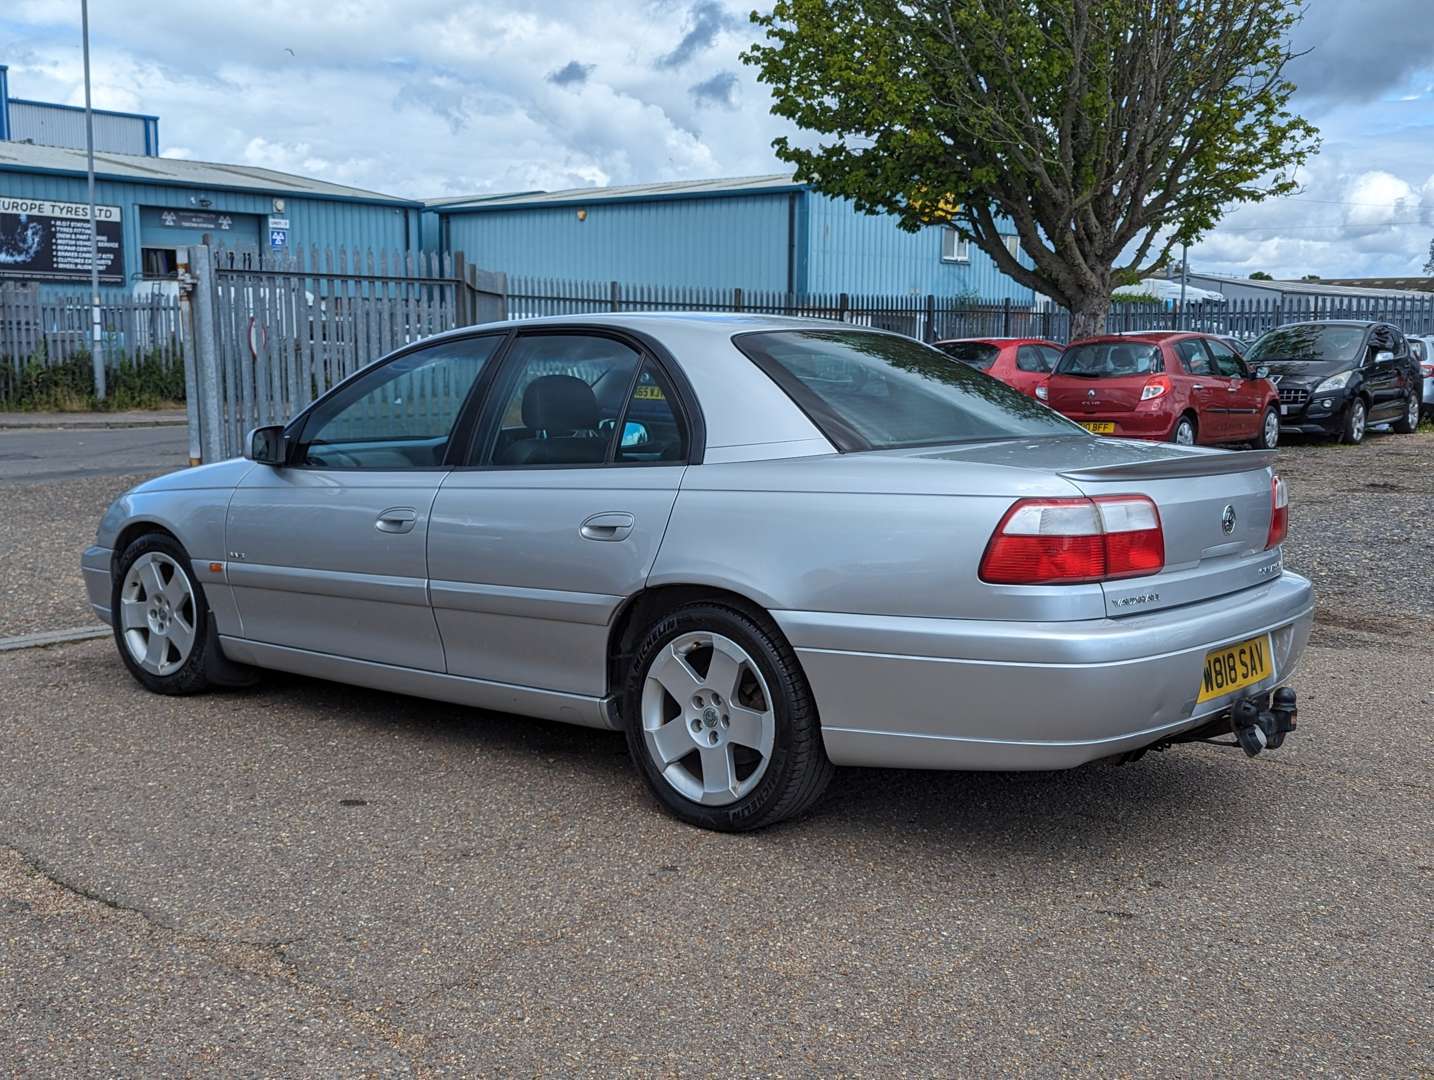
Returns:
(954, 247)
(1013, 245)
(159, 263)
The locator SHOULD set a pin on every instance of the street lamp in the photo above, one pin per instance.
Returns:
(97, 357)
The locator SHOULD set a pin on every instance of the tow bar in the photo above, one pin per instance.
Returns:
(1258, 723)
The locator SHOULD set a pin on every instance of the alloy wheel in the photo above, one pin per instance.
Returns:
(1272, 430)
(1414, 409)
(707, 718)
(157, 613)
(1356, 421)
(1184, 433)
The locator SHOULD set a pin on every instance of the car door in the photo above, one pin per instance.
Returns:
(1206, 388)
(1381, 373)
(1244, 396)
(328, 553)
(559, 513)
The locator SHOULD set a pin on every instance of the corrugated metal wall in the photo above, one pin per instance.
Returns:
(56, 125)
(853, 252)
(322, 222)
(733, 242)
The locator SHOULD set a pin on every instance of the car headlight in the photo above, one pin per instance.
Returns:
(1334, 382)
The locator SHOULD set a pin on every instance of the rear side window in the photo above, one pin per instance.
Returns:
(1110, 359)
(1035, 358)
(869, 391)
(1193, 357)
(978, 354)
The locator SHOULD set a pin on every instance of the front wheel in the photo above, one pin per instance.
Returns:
(1269, 431)
(162, 623)
(1356, 418)
(1408, 424)
(721, 722)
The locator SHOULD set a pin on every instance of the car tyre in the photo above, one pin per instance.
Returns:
(1269, 438)
(1408, 424)
(721, 721)
(1185, 431)
(163, 627)
(1356, 421)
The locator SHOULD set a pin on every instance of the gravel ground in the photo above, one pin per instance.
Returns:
(315, 880)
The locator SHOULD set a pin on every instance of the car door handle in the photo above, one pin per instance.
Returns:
(397, 519)
(1198, 386)
(614, 525)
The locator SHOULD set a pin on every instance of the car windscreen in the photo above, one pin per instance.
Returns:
(1109, 359)
(869, 391)
(978, 354)
(1320, 344)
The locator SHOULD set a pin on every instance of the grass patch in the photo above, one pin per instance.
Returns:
(151, 380)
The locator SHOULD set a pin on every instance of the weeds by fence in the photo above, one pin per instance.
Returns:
(39, 327)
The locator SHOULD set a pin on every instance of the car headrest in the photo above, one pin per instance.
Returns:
(559, 403)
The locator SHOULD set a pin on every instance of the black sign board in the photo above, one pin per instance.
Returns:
(195, 219)
(44, 240)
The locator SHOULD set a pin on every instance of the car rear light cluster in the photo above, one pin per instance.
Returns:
(1279, 512)
(1159, 386)
(1074, 541)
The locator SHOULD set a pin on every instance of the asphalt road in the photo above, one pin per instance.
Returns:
(314, 880)
(37, 456)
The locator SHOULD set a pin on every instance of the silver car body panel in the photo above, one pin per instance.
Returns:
(498, 597)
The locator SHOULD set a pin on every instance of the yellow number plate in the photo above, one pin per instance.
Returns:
(649, 393)
(1100, 427)
(1231, 667)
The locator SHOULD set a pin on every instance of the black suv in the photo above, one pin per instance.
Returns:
(1338, 377)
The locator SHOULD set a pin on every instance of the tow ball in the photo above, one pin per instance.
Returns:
(1259, 729)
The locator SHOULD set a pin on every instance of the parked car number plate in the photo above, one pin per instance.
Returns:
(1231, 667)
(1100, 427)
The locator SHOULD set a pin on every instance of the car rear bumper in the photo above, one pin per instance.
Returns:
(95, 565)
(1131, 424)
(970, 694)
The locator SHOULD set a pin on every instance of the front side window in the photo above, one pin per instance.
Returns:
(1226, 362)
(1109, 360)
(869, 391)
(978, 354)
(399, 415)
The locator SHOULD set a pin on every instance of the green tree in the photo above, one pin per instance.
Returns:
(1260, 275)
(1107, 131)
(1429, 263)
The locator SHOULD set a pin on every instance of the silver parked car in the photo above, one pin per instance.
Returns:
(760, 546)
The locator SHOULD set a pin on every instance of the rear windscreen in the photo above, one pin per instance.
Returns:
(1109, 360)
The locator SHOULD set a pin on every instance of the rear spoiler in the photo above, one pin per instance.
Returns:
(1173, 468)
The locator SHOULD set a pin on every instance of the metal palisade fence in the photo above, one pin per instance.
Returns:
(51, 328)
(265, 335)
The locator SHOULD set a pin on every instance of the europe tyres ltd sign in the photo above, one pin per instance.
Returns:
(44, 240)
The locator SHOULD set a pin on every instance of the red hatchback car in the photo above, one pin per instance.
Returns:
(1020, 362)
(1168, 386)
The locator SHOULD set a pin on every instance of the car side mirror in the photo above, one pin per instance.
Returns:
(267, 445)
(1263, 371)
(1383, 356)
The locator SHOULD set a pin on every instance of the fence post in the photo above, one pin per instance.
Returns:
(616, 296)
(737, 299)
(205, 347)
(930, 334)
(1006, 317)
(843, 306)
(461, 312)
(187, 353)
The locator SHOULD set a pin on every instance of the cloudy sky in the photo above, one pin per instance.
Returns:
(435, 97)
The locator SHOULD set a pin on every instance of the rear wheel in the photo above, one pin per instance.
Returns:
(1356, 418)
(1408, 424)
(721, 722)
(1185, 431)
(162, 623)
(1269, 431)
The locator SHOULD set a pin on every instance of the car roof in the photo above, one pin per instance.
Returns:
(997, 341)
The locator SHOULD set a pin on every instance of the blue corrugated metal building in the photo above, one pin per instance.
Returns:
(148, 207)
(50, 124)
(756, 233)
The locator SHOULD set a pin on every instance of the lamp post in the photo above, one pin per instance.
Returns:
(97, 357)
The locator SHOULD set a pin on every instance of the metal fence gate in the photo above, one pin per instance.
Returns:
(272, 334)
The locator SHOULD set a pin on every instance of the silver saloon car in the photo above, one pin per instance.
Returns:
(761, 547)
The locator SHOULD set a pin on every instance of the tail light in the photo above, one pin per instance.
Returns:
(1279, 512)
(1156, 387)
(1043, 392)
(1073, 541)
